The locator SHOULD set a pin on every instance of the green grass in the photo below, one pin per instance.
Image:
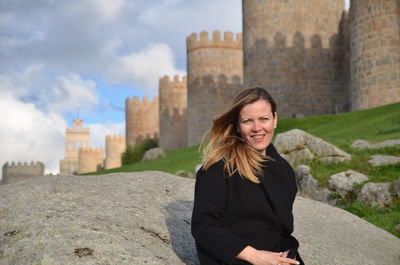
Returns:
(374, 125)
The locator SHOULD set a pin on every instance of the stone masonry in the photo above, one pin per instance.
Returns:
(15, 172)
(173, 112)
(141, 119)
(75, 138)
(215, 69)
(90, 159)
(375, 52)
(292, 48)
(115, 146)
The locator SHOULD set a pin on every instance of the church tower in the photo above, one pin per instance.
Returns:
(75, 138)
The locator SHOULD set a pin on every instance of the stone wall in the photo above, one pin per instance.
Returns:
(172, 111)
(292, 49)
(15, 172)
(115, 146)
(90, 159)
(375, 52)
(141, 118)
(215, 70)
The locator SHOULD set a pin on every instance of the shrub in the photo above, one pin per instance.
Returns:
(135, 153)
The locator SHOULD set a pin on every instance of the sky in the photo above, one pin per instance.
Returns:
(81, 58)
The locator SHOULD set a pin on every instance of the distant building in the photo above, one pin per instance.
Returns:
(15, 172)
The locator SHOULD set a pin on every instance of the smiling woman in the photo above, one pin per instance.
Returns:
(245, 190)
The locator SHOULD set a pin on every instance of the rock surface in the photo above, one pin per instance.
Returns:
(144, 218)
(344, 182)
(310, 188)
(383, 160)
(154, 153)
(297, 145)
(362, 144)
(375, 194)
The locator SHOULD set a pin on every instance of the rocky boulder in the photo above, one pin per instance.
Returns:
(297, 146)
(310, 188)
(362, 144)
(154, 153)
(383, 160)
(375, 194)
(144, 218)
(344, 182)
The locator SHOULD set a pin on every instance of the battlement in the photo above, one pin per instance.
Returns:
(145, 100)
(92, 150)
(23, 164)
(18, 171)
(115, 137)
(176, 80)
(229, 42)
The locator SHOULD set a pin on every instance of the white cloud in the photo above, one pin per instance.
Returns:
(108, 10)
(99, 131)
(28, 134)
(143, 69)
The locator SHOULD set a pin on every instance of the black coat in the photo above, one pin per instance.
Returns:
(232, 212)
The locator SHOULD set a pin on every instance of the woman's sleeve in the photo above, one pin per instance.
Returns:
(209, 203)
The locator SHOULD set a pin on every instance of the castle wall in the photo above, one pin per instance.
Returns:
(15, 172)
(375, 52)
(115, 146)
(293, 49)
(142, 120)
(215, 70)
(90, 159)
(173, 112)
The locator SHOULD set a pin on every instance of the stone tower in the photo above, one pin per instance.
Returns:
(173, 111)
(75, 138)
(90, 159)
(15, 172)
(374, 52)
(292, 48)
(215, 69)
(141, 119)
(115, 146)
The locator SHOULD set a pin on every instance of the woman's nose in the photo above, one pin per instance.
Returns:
(256, 126)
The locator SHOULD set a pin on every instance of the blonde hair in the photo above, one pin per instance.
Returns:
(226, 143)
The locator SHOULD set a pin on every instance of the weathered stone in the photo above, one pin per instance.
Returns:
(185, 174)
(362, 144)
(154, 153)
(344, 182)
(310, 188)
(375, 194)
(298, 142)
(382, 160)
(396, 188)
(144, 218)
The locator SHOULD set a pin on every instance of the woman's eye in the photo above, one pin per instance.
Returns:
(245, 121)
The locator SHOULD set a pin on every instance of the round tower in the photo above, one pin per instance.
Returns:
(115, 146)
(292, 49)
(141, 118)
(215, 69)
(374, 52)
(173, 107)
(90, 159)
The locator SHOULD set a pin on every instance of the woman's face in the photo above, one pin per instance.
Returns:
(257, 124)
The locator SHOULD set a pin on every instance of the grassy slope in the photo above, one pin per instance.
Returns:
(374, 125)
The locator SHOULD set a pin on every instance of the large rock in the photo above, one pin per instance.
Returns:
(345, 182)
(383, 160)
(154, 153)
(362, 144)
(375, 194)
(144, 218)
(310, 188)
(297, 145)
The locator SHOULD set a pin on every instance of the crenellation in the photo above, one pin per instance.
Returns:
(229, 42)
(19, 171)
(115, 146)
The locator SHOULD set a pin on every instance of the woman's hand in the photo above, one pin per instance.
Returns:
(263, 257)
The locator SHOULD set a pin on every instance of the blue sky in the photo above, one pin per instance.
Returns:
(58, 57)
